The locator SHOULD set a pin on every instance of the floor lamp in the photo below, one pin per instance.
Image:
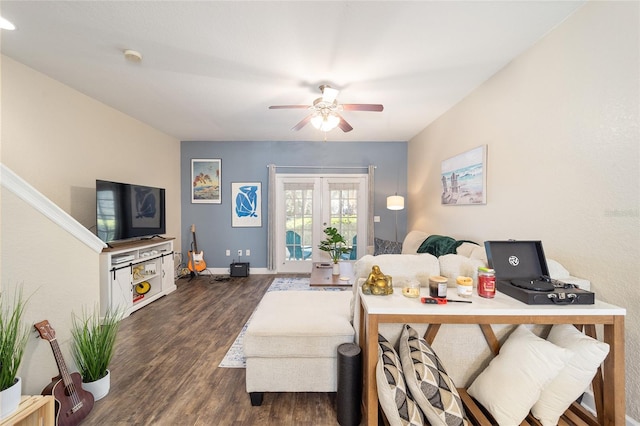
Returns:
(395, 202)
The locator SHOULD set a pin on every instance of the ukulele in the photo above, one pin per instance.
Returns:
(73, 403)
(196, 258)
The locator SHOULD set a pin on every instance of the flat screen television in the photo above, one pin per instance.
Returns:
(125, 211)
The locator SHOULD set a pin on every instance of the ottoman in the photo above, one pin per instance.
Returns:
(291, 342)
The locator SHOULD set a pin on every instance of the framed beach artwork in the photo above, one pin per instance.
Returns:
(464, 178)
(205, 181)
(246, 208)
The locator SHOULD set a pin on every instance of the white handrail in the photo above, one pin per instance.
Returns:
(38, 201)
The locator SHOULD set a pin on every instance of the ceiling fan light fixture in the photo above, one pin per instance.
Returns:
(325, 122)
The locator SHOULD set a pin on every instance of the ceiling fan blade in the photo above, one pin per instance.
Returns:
(346, 127)
(362, 107)
(289, 107)
(302, 123)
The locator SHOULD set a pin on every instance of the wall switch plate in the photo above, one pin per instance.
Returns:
(247, 252)
(376, 218)
(228, 253)
(239, 253)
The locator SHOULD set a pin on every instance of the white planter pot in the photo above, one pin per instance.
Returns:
(10, 399)
(336, 269)
(99, 388)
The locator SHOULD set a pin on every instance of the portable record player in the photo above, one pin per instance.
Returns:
(522, 273)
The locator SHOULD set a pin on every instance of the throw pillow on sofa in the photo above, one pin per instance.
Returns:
(430, 385)
(394, 397)
(381, 246)
(514, 379)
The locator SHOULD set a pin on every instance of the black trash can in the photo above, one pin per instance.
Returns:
(349, 384)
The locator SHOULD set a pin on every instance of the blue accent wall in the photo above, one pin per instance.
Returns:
(247, 162)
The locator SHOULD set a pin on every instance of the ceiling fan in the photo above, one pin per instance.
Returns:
(324, 111)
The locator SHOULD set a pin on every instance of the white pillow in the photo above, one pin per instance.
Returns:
(413, 241)
(574, 379)
(556, 270)
(512, 382)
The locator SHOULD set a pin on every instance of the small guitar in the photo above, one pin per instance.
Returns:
(73, 403)
(196, 258)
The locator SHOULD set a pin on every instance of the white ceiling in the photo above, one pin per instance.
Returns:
(211, 69)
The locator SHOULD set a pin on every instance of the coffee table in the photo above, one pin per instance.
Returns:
(322, 276)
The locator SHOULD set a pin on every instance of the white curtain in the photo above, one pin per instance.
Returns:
(372, 170)
(271, 220)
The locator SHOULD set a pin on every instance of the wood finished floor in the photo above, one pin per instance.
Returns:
(165, 369)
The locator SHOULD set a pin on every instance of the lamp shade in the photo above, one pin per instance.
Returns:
(395, 202)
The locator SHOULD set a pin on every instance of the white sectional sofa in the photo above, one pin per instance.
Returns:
(291, 342)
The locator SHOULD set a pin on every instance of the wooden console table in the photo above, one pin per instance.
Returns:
(33, 410)
(395, 308)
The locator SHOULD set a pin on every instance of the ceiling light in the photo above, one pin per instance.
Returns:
(6, 25)
(132, 55)
(325, 121)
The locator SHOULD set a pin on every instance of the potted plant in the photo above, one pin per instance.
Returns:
(93, 345)
(13, 340)
(335, 245)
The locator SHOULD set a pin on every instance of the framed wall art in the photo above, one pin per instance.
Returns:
(464, 178)
(205, 181)
(246, 208)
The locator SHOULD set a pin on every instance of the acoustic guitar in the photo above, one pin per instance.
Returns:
(73, 403)
(196, 258)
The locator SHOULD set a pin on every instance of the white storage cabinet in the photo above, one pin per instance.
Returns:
(126, 265)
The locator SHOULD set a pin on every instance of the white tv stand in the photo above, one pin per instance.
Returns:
(125, 265)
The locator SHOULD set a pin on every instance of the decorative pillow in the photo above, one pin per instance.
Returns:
(465, 249)
(381, 246)
(556, 270)
(574, 379)
(430, 386)
(412, 241)
(514, 379)
(393, 394)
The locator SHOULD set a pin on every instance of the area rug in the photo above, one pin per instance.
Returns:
(235, 355)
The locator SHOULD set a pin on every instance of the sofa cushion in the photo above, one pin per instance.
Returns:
(575, 378)
(514, 379)
(430, 385)
(393, 395)
(299, 324)
(381, 246)
(453, 265)
(399, 266)
(412, 241)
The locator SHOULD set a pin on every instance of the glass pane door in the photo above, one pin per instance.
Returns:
(306, 205)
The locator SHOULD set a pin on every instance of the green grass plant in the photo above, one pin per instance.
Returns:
(94, 341)
(13, 339)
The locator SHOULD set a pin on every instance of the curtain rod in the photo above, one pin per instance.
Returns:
(321, 167)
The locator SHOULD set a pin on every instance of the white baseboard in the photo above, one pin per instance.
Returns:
(589, 403)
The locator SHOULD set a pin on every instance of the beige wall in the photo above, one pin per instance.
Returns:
(57, 273)
(60, 141)
(561, 123)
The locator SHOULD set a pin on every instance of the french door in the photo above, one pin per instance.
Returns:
(306, 205)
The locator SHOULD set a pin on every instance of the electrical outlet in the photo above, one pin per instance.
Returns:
(228, 253)
(239, 253)
(247, 252)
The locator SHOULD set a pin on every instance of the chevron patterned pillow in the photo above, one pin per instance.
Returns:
(393, 395)
(429, 384)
